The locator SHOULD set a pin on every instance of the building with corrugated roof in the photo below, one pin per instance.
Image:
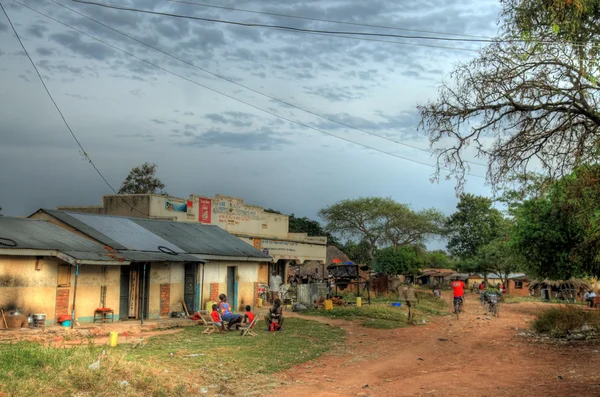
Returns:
(253, 225)
(214, 261)
(37, 262)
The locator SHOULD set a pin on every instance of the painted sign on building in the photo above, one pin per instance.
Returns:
(258, 244)
(176, 206)
(204, 214)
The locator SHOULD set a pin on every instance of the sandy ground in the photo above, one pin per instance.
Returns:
(473, 356)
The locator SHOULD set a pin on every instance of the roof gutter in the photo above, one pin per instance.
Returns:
(233, 258)
(57, 254)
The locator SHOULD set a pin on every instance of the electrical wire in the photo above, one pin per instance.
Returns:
(293, 29)
(325, 20)
(283, 27)
(83, 151)
(232, 97)
(246, 87)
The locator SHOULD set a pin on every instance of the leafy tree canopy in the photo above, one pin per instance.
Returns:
(142, 180)
(403, 260)
(559, 232)
(381, 221)
(475, 224)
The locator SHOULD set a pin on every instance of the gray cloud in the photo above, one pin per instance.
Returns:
(37, 30)
(332, 93)
(75, 43)
(266, 139)
(43, 51)
(236, 119)
(157, 121)
(188, 113)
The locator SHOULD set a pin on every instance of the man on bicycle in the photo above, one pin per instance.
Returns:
(458, 289)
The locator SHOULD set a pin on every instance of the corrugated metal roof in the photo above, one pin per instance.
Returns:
(40, 235)
(196, 238)
(129, 235)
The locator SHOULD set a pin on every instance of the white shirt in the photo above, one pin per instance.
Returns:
(275, 283)
(592, 295)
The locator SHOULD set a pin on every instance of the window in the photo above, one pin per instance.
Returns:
(518, 284)
(64, 275)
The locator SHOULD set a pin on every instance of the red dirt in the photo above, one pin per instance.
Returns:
(477, 357)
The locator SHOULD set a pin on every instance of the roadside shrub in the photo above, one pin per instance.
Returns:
(561, 321)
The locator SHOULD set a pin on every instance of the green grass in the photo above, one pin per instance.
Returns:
(383, 315)
(178, 364)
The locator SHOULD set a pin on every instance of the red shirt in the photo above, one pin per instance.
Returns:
(250, 316)
(458, 287)
(215, 316)
(482, 286)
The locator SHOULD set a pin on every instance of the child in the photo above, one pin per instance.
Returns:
(274, 318)
(216, 317)
(249, 316)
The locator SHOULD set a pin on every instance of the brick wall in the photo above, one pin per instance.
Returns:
(62, 301)
(165, 299)
(214, 292)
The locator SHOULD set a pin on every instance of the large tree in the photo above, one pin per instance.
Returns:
(381, 221)
(359, 219)
(531, 98)
(403, 226)
(404, 260)
(142, 180)
(558, 233)
(475, 224)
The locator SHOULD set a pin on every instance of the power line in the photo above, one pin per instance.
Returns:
(283, 27)
(85, 154)
(327, 32)
(325, 20)
(230, 96)
(246, 87)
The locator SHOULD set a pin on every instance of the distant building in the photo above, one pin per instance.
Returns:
(265, 231)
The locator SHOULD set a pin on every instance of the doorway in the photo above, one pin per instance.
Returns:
(232, 287)
(133, 291)
(124, 293)
(189, 289)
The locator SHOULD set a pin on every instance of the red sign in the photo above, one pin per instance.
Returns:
(204, 215)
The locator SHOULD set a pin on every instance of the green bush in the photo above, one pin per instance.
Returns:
(560, 321)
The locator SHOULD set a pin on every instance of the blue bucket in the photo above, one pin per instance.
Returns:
(396, 304)
(66, 323)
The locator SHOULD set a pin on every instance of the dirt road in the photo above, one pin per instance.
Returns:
(472, 356)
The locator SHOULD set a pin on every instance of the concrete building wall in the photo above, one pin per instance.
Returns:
(29, 285)
(90, 284)
(289, 250)
(215, 276)
(119, 205)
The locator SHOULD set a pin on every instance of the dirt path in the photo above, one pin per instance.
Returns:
(472, 356)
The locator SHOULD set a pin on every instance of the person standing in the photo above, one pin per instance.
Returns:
(316, 277)
(275, 286)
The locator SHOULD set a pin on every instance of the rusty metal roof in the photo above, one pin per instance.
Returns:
(131, 241)
(29, 234)
(129, 235)
(199, 239)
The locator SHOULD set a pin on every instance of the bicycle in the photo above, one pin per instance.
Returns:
(458, 305)
(493, 305)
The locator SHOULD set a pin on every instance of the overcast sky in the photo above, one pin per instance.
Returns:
(125, 111)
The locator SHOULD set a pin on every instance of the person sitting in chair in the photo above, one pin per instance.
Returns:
(234, 320)
(275, 315)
